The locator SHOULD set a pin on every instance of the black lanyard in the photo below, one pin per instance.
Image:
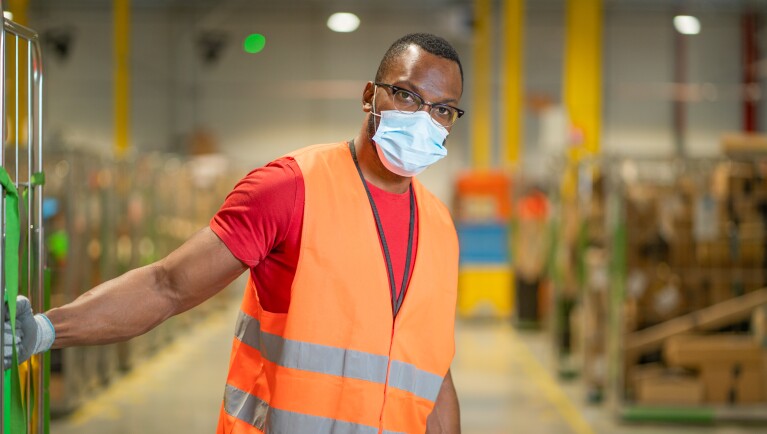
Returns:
(396, 301)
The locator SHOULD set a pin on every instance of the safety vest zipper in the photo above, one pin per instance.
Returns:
(388, 372)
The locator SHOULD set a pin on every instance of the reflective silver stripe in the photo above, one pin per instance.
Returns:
(416, 381)
(340, 362)
(334, 361)
(245, 407)
(288, 422)
(252, 410)
(310, 357)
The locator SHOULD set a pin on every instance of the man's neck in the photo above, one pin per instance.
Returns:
(373, 170)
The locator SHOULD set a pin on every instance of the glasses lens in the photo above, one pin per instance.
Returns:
(406, 102)
(444, 115)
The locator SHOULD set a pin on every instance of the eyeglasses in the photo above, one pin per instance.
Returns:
(407, 101)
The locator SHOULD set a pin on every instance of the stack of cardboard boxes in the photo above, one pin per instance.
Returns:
(704, 369)
(695, 243)
(691, 244)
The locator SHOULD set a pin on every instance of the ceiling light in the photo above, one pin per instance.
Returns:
(687, 24)
(343, 22)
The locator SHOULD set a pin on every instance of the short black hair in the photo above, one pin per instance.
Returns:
(431, 43)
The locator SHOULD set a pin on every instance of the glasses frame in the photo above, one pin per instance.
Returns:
(423, 102)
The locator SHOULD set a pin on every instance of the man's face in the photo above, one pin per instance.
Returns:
(434, 78)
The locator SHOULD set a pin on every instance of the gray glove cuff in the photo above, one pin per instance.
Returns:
(46, 334)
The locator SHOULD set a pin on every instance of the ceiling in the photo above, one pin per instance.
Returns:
(405, 6)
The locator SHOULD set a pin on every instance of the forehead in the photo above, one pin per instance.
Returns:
(434, 77)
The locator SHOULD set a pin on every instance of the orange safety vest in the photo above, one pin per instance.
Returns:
(337, 361)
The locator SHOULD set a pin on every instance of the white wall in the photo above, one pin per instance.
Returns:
(544, 38)
(305, 87)
(639, 68)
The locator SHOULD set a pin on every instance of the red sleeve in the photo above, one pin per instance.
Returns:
(257, 214)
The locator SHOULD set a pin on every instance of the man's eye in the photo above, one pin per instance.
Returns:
(404, 96)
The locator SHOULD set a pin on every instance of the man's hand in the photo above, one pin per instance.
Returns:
(34, 333)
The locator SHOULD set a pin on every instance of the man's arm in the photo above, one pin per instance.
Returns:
(445, 418)
(139, 300)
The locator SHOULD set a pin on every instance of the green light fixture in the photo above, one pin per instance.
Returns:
(254, 43)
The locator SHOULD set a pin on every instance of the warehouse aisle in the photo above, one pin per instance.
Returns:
(505, 384)
(501, 377)
(499, 384)
(178, 390)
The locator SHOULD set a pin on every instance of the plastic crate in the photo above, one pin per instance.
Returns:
(486, 292)
(484, 244)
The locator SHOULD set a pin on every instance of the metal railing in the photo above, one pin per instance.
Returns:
(18, 141)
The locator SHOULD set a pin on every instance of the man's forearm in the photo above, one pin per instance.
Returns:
(445, 418)
(137, 301)
(114, 311)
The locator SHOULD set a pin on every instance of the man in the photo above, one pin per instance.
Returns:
(346, 324)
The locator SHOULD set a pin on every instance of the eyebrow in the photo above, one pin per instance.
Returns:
(418, 90)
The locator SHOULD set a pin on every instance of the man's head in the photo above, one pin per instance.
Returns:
(424, 64)
(430, 43)
(413, 103)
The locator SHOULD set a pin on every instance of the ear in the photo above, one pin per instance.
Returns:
(367, 97)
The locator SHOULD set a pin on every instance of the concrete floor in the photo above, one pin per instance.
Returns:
(501, 376)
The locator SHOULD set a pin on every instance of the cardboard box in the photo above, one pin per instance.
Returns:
(764, 374)
(754, 279)
(663, 299)
(713, 254)
(731, 366)
(657, 386)
(638, 372)
(751, 240)
(733, 383)
(723, 289)
(697, 287)
(759, 327)
(695, 351)
(680, 249)
(714, 286)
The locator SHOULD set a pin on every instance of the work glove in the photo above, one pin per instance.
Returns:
(34, 333)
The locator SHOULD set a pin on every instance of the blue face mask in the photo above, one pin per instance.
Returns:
(408, 143)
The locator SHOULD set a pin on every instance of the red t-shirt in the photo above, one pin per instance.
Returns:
(260, 222)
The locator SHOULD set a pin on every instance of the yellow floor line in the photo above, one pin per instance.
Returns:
(551, 389)
(131, 387)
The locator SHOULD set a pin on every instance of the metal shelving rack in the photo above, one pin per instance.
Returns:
(619, 173)
(21, 157)
(591, 197)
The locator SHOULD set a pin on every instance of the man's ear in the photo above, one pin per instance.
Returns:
(367, 97)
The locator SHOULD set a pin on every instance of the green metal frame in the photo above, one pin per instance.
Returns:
(29, 182)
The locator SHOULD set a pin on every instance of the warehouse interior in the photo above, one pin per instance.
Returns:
(608, 185)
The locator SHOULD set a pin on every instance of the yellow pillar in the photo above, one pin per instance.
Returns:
(583, 71)
(121, 59)
(14, 62)
(19, 9)
(513, 83)
(482, 114)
